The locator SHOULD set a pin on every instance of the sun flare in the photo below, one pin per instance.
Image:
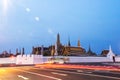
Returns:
(6, 5)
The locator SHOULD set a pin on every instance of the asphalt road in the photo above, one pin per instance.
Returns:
(42, 73)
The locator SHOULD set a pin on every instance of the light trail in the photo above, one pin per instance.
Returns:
(82, 73)
(64, 66)
(37, 74)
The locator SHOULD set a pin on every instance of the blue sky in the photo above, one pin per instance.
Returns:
(27, 23)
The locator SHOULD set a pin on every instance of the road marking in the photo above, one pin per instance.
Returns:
(110, 77)
(83, 71)
(59, 74)
(20, 76)
(80, 71)
(39, 74)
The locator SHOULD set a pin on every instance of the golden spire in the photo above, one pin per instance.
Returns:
(52, 51)
(37, 52)
(69, 42)
(58, 39)
(78, 43)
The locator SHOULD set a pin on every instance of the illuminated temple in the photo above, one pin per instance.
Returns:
(61, 50)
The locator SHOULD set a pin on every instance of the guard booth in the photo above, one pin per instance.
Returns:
(111, 55)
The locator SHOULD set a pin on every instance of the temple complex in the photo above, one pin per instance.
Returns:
(58, 49)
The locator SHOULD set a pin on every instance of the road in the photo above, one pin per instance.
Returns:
(43, 73)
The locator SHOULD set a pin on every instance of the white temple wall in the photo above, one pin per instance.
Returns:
(89, 59)
(11, 60)
(117, 59)
(75, 59)
(39, 59)
(46, 59)
(30, 59)
(24, 59)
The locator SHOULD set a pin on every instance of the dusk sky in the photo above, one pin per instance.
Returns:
(27, 23)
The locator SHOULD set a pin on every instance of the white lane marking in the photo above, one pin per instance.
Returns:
(59, 74)
(83, 71)
(110, 77)
(80, 71)
(20, 76)
(39, 74)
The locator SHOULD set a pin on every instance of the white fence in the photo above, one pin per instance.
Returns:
(11, 60)
(24, 59)
(117, 59)
(89, 59)
(29, 59)
(39, 59)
